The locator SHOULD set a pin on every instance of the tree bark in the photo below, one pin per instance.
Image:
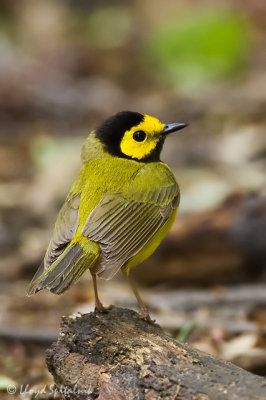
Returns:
(115, 355)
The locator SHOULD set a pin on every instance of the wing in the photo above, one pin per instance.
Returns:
(123, 223)
(64, 231)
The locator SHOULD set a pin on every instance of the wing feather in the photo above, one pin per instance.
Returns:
(64, 230)
(123, 223)
(56, 275)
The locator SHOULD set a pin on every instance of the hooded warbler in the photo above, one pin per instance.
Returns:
(121, 206)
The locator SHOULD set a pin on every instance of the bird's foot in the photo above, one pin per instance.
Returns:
(144, 314)
(99, 308)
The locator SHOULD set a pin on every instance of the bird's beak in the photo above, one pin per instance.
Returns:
(176, 126)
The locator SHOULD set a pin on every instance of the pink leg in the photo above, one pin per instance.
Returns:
(144, 312)
(98, 304)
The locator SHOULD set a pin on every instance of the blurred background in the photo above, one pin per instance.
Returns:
(67, 65)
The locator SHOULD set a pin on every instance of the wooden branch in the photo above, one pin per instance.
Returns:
(37, 336)
(116, 355)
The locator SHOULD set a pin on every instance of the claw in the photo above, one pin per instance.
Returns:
(144, 314)
(101, 309)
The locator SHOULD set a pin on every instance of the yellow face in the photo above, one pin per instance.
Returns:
(140, 141)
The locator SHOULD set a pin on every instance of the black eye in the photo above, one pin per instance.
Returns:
(139, 136)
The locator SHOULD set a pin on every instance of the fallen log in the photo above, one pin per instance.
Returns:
(115, 355)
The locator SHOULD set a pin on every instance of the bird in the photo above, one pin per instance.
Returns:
(119, 209)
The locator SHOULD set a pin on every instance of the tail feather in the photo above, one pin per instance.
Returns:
(64, 272)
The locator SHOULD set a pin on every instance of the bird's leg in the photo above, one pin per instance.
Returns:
(144, 312)
(98, 304)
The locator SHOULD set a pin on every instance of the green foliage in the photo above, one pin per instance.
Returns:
(185, 330)
(196, 49)
(7, 26)
(46, 150)
(5, 382)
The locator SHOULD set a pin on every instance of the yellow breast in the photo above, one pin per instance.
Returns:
(152, 245)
